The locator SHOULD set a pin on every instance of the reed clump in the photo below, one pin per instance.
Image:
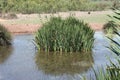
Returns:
(65, 35)
(110, 27)
(112, 72)
(5, 37)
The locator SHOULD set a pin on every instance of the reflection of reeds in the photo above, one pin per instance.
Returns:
(5, 52)
(57, 64)
(69, 35)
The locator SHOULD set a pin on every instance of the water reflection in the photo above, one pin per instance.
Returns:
(5, 52)
(56, 64)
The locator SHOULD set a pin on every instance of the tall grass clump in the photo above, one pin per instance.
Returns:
(115, 44)
(5, 37)
(65, 35)
(114, 24)
(113, 70)
(110, 27)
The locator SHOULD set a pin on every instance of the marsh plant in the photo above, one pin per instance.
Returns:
(113, 70)
(5, 37)
(114, 24)
(115, 44)
(65, 35)
(110, 27)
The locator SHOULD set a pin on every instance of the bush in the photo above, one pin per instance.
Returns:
(110, 27)
(69, 35)
(5, 37)
(114, 24)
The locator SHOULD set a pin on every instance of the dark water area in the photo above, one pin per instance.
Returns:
(23, 62)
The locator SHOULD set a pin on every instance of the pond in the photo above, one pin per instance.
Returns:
(23, 62)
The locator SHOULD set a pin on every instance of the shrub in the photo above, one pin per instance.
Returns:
(5, 37)
(110, 27)
(114, 24)
(68, 35)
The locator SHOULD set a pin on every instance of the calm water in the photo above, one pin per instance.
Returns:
(22, 61)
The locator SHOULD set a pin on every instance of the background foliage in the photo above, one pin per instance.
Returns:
(41, 6)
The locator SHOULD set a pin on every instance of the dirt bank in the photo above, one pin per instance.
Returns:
(32, 28)
(30, 23)
(22, 28)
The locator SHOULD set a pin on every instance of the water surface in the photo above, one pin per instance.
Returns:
(23, 62)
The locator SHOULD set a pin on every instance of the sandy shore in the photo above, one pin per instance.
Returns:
(32, 28)
(22, 28)
(26, 28)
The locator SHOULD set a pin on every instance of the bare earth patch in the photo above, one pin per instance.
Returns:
(18, 28)
(32, 28)
(96, 26)
(22, 28)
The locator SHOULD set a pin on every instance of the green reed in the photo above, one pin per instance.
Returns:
(112, 71)
(5, 37)
(65, 35)
(110, 27)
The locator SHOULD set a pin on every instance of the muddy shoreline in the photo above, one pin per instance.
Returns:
(32, 28)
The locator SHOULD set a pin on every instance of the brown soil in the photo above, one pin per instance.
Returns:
(22, 28)
(32, 28)
(96, 26)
